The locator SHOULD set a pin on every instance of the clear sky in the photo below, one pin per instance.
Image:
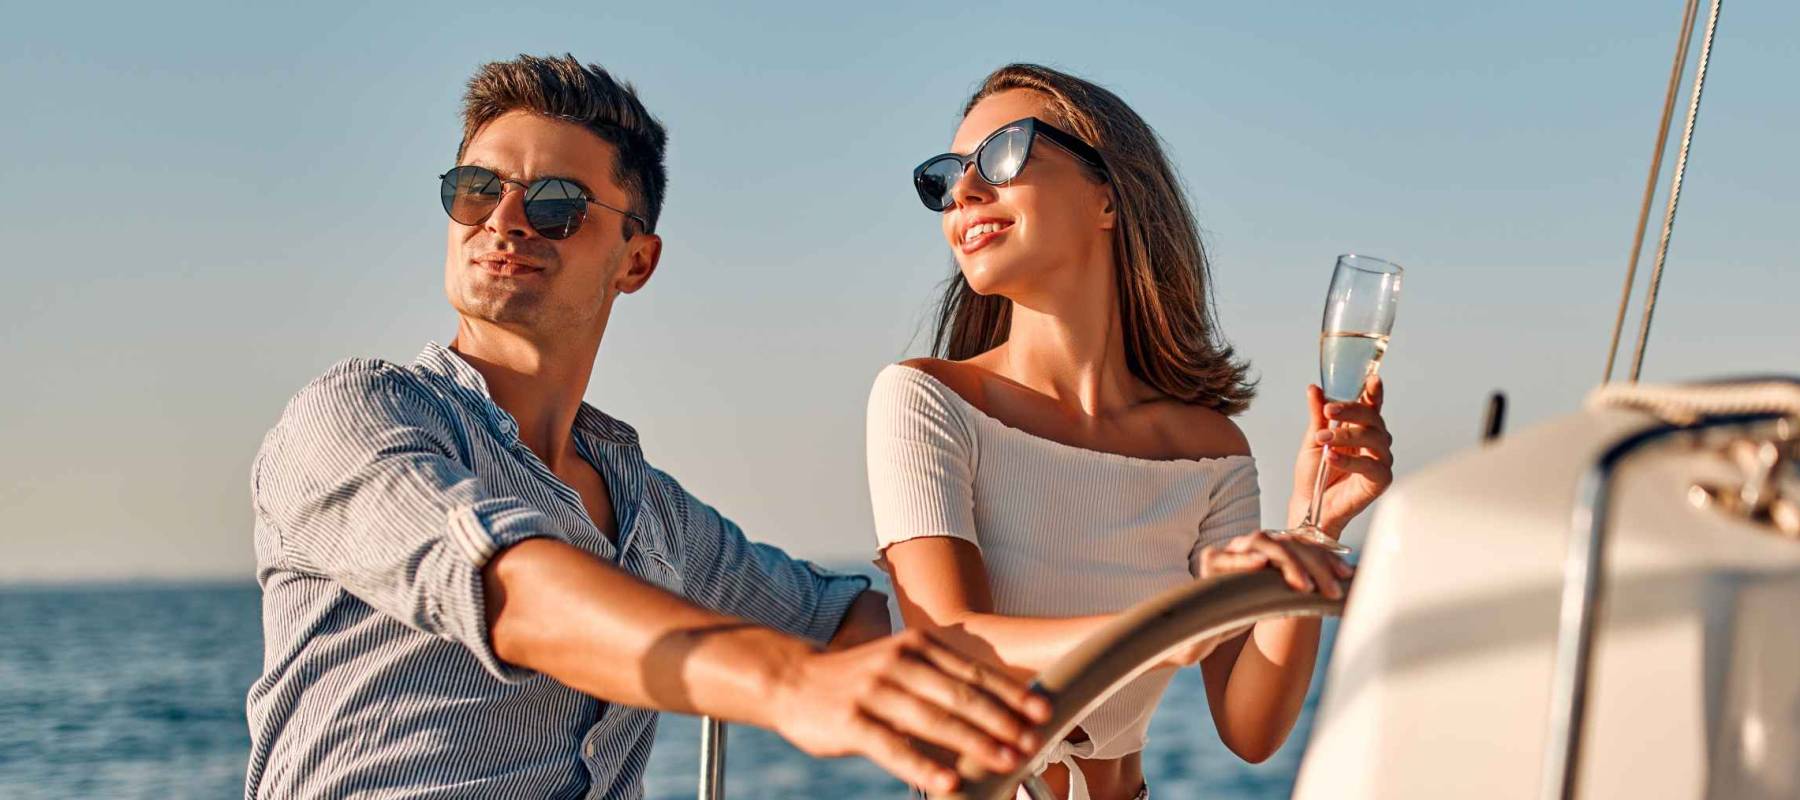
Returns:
(206, 205)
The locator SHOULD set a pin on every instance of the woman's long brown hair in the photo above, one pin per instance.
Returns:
(1172, 339)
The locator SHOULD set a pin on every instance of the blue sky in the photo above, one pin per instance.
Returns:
(206, 205)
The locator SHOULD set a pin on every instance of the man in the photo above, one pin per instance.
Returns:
(474, 585)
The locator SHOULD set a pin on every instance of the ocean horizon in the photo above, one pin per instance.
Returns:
(136, 689)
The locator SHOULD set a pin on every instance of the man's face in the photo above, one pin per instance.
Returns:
(502, 271)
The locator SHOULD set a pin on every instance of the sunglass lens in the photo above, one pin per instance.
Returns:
(936, 180)
(1003, 156)
(555, 208)
(470, 194)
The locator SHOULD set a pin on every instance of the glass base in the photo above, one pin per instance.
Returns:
(1308, 533)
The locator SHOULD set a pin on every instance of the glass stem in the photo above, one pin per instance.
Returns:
(1318, 493)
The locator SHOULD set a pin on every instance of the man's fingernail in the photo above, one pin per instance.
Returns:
(945, 782)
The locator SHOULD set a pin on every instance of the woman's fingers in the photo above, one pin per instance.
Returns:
(1318, 565)
(1355, 414)
(1304, 566)
(1223, 562)
(1379, 470)
(1376, 440)
(1315, 414)
(1374, 391)
(1296, 573)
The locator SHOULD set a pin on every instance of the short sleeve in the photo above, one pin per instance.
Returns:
(1235, 509)
(922, 455)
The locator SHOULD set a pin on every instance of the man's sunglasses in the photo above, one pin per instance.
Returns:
(555, 207)
(998, 159)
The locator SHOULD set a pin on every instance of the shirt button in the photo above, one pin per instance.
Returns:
(589, 747)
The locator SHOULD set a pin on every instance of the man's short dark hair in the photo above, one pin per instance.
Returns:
(587, 95)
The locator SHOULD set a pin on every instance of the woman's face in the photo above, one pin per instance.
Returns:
(1042, 228)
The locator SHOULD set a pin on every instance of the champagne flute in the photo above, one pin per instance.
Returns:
(1359, 317)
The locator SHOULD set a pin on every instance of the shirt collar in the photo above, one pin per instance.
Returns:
(445, 363)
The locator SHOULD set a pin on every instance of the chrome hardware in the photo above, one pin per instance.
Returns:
(1769, 491)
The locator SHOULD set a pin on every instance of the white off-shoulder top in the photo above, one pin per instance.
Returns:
(1063, 531)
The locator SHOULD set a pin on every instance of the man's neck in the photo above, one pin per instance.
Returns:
(539, 383)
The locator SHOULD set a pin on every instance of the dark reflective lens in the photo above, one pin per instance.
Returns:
(470, 194)
(1003, 155)
(935, 181)
(555, 208)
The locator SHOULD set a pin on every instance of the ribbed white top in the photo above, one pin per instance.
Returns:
(1063, 531)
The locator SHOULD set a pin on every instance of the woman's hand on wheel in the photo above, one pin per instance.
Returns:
(1305, 566)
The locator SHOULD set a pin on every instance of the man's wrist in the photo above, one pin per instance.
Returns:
(776, 675)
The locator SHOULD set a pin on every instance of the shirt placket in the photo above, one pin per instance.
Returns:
(570, 498)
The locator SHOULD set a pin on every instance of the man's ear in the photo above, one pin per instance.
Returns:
(644, 250)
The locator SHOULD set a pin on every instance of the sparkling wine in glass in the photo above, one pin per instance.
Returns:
(1359, 317)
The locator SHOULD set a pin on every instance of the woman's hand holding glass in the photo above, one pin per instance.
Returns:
(1360, 452)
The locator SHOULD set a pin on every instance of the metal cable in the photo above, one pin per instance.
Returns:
(1662, 248)
(1662, 140)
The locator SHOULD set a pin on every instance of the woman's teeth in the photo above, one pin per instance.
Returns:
(983, 229)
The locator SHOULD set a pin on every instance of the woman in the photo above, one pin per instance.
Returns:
(1070, 452)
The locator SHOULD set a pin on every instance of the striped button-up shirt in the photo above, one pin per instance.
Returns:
(379, 495)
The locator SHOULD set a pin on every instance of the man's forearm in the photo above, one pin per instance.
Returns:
(867, 620)
(557, 609)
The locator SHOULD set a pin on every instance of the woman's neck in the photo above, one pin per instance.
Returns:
(1072, 348)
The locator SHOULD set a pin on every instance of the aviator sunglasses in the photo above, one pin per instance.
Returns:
(998, 159)
(555, 207)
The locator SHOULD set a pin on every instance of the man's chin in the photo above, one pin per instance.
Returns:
(505, 308)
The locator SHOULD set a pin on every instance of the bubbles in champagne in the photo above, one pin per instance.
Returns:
(1346, 360)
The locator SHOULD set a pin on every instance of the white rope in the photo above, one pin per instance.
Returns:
(1686, 404)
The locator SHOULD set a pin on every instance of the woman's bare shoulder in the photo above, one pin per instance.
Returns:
(1201, 432)
(966, 380)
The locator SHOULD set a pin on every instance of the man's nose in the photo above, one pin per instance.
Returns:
(508, 219)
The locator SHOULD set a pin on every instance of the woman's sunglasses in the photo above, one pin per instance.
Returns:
(998, 159)
(555, 207)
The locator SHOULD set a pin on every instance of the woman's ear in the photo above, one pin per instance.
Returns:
(1108, 217)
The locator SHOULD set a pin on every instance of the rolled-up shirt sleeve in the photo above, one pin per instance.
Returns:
(362, 482)
(726, 572)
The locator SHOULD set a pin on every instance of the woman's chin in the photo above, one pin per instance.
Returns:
(987, 278)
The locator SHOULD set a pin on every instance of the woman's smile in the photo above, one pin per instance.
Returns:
(982, 232)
